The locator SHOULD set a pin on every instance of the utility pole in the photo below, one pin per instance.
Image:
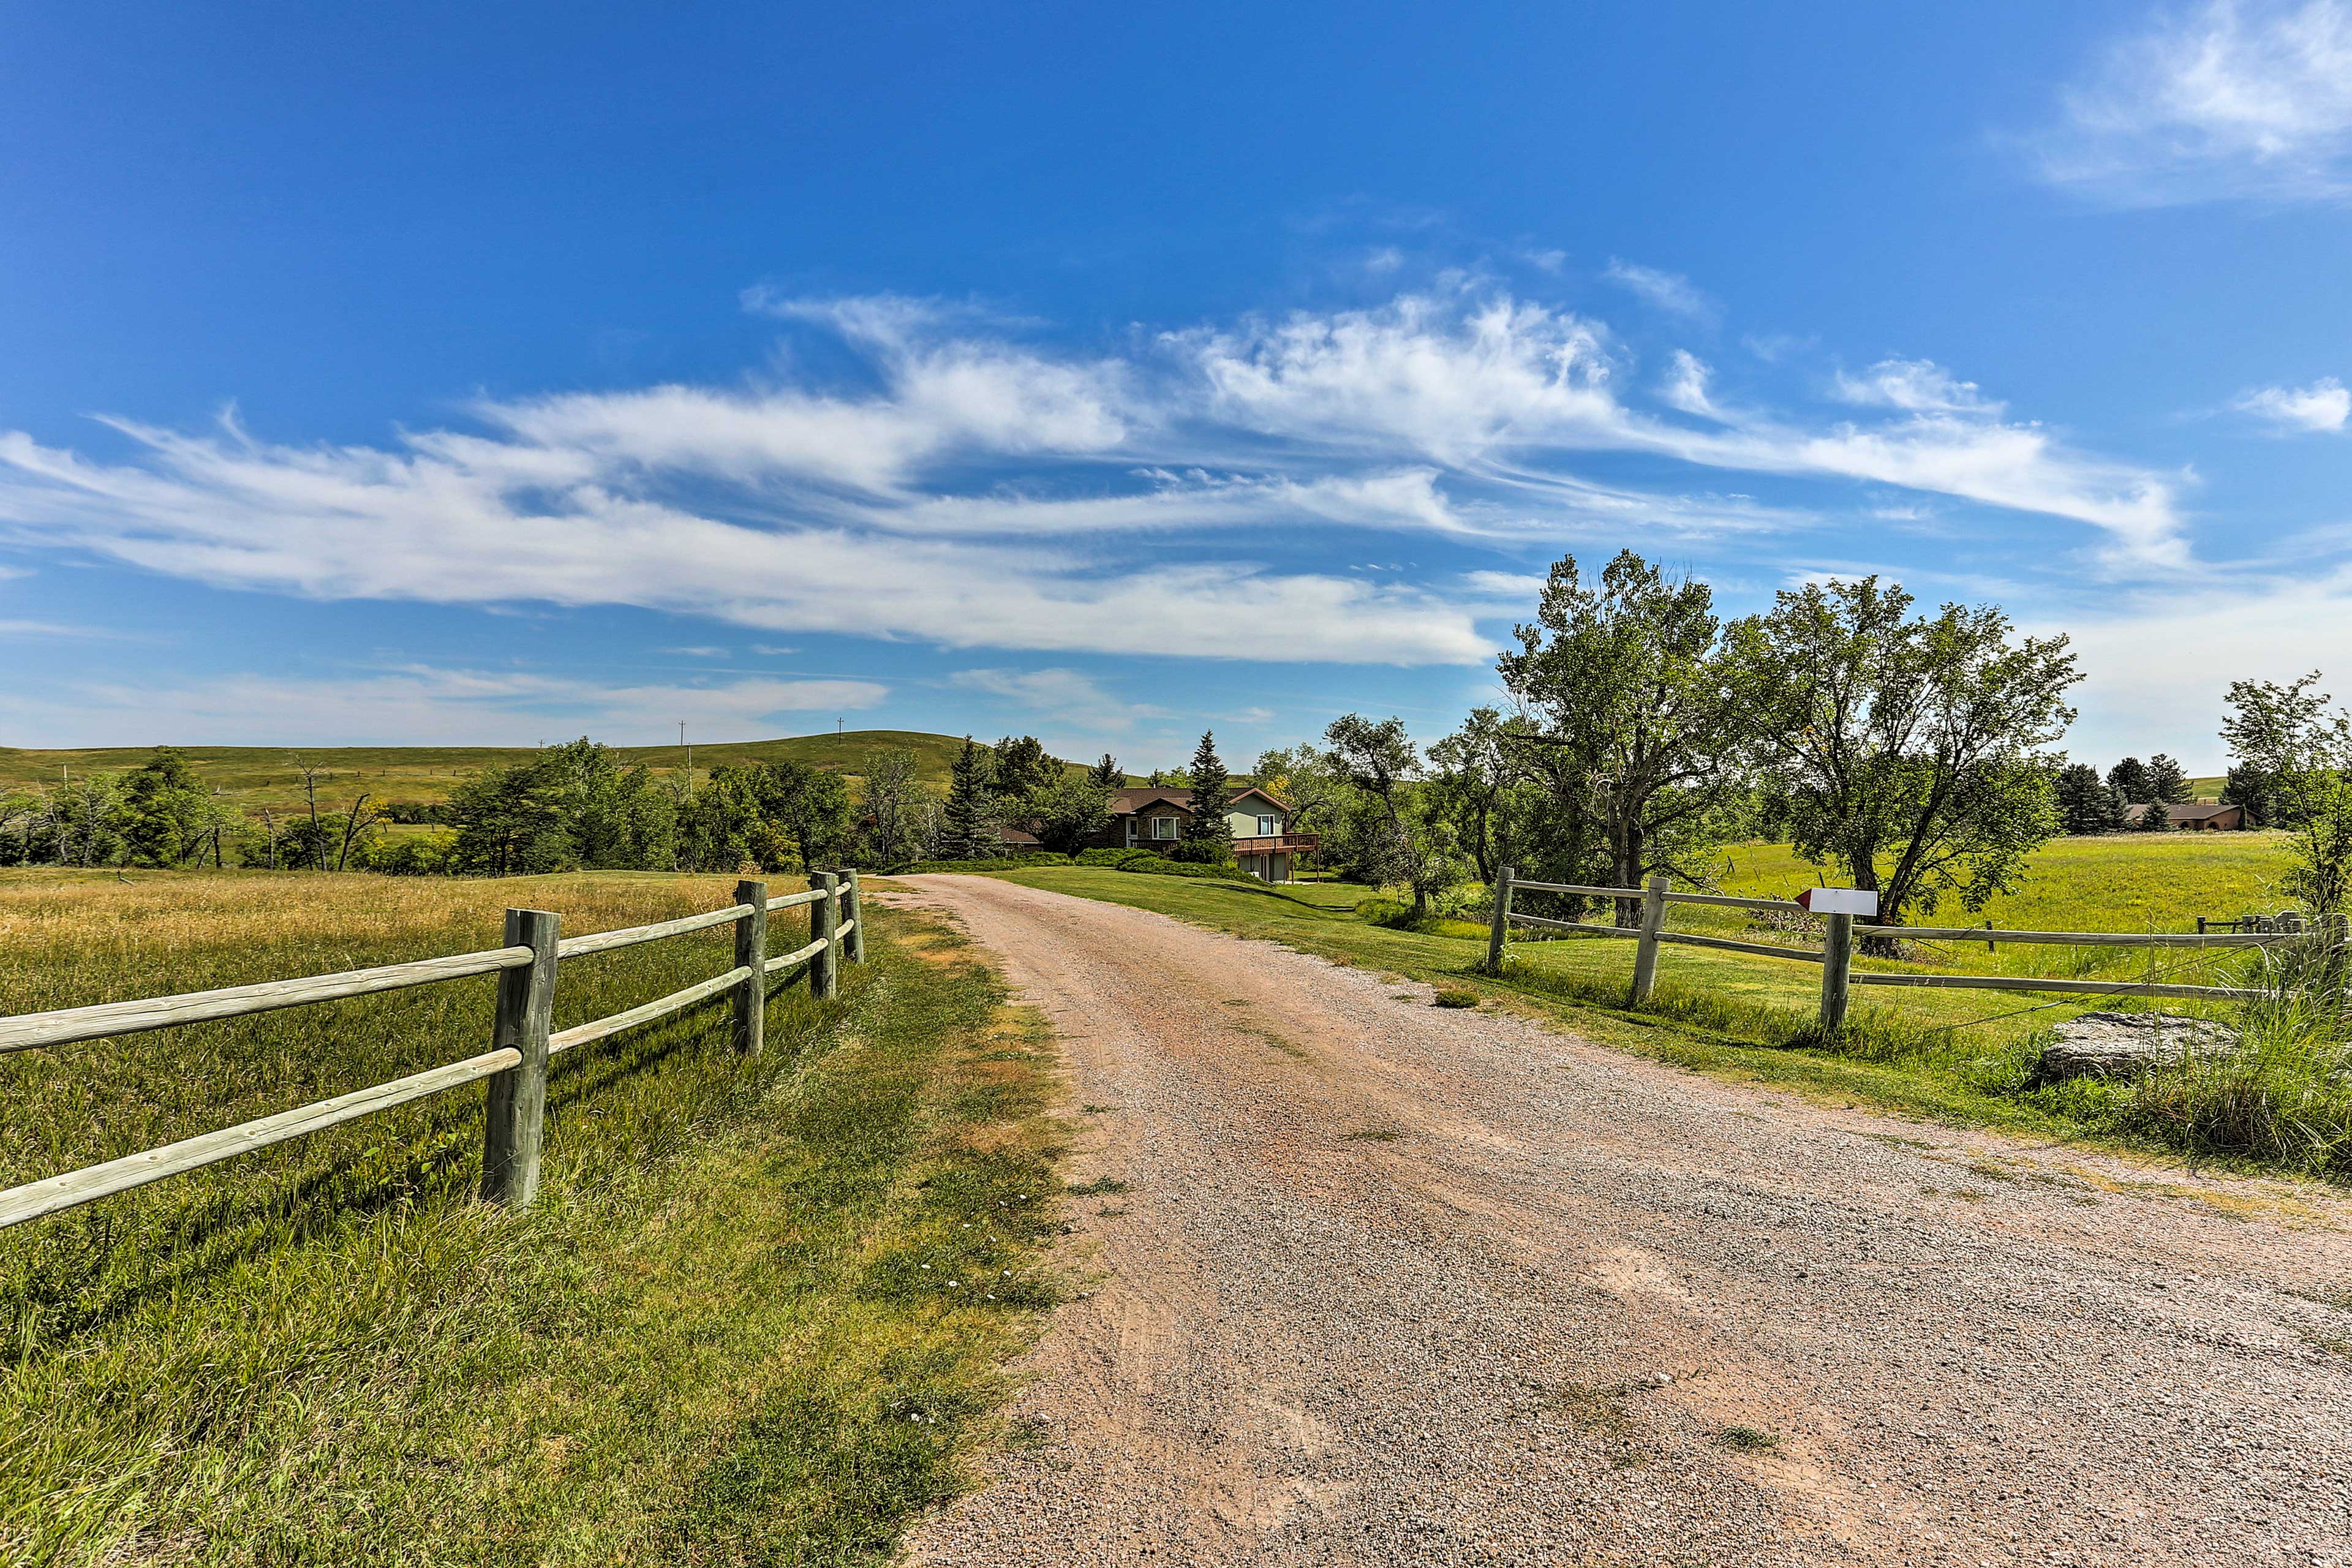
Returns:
(689, 759)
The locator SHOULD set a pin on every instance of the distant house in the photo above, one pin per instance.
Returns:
(2198, 815)
(1154, 818)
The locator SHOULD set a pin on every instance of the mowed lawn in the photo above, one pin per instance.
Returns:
(1965, 1056)
(760, 1314)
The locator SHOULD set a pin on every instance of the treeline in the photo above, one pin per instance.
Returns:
(572, 807)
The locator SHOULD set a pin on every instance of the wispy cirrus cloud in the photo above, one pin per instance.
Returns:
(976, 491)
(1072, 697)
(2322, 407)
(418, 704)
(2227, 101)
(1669, 291)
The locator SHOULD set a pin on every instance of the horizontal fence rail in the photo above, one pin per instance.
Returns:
(29, 1031)
(516, 1068)
(1839, 931)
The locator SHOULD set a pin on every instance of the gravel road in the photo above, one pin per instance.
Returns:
(1394, 1284)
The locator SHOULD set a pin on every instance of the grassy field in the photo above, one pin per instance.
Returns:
(759, 1315)
(252, 776)
(1961, 1056)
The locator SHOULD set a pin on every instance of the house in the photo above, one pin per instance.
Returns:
(1150, 819)
(2197, 815)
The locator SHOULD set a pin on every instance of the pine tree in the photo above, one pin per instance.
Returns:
(2085, 804)
(2118, 811)
(2166, 782)
(1107, 773)
(2154, 818)
(1208, 837)
(969, 829)
(2130, 776)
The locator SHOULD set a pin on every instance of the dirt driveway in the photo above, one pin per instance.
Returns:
(1393, 1284)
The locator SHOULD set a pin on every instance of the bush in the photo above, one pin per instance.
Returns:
(1155, 866)
(993, 863)
(1112, 857)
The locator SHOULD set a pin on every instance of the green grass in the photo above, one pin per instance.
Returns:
(1958, 1056)
(2125, 881)
(759, 1315)
(252, 776)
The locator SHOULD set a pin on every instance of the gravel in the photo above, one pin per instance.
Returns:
(1393, 1284)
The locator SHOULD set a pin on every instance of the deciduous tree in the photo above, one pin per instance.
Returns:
(1911, 752)
(2300, 743)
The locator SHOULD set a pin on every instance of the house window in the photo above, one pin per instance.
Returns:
(1267, 827)
(1163, 827)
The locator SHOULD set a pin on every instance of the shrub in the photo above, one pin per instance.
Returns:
(1451, 996)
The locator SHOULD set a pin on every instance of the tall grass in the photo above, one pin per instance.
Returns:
(714, 1338)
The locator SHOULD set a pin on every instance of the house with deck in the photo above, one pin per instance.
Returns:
(1151, 817)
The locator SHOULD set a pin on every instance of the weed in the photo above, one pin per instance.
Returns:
(1747, 1439)
(1373, 1135)
(1099, 1187)
(1449, 997)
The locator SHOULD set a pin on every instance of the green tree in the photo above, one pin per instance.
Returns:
(2249, 788)
(1478, 771)
(2153, 818)
(1107, 773)
(165, 815)
(1629, 681)
(2131, 776)
(1069, 811)
(810, 807)
(1911, 752)
(1400, 846)
(889, 790)
(2088, 803)
(969, 829)
(2167, 782)
(2300, 743)
(1207, 836)
(1022, 768)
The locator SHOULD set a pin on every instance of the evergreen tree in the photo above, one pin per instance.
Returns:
(2154, 818)
(2166, 782)
(2130, 776)
(1107, 773)
(1208, 837)
(2085, 803)
(2250, 787)
(1022, 768)
(968, 831)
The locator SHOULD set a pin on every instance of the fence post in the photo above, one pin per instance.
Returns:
(517, 1103)
(1502, 920)
(1837, 969)
(857, 908)
(751, 948)
(824, 919)
(1645, 952)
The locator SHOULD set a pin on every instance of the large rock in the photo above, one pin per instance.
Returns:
(2124, 1045)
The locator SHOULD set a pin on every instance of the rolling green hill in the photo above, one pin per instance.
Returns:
(269, 776)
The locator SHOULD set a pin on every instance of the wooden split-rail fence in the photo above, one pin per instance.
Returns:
(1836, 954)
(521, 1040)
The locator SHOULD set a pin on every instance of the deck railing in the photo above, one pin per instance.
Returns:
(527, 964)
(1837, 950)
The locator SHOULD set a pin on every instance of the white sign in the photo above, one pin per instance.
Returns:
(1839, 901)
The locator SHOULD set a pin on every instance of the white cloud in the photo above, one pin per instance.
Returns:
(2231, 100)
(2325, 406)
(984, 494)
(1669, 291)
(418, 705)
(1071, 697)
(698, 651)
(1915, 386)
(1686, 384)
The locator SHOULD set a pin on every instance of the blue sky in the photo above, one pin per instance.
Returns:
(500, 373)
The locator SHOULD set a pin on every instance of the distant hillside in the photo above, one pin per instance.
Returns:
(266, 776)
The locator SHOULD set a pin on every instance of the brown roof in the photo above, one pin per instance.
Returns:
(1128, 802)
(2185, 811)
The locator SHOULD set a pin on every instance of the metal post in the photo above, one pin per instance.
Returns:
(1645, 952)
(518, 1097)
(856, 911)
(824, 919)
(1502, 919)
(751, 948)
(1837, 969)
